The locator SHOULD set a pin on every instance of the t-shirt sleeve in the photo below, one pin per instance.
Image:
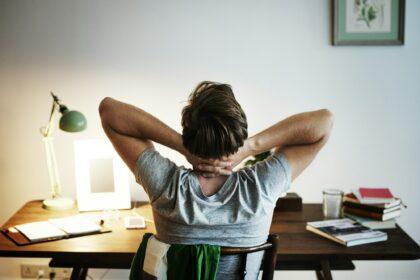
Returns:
(154, 172)
(273, 175)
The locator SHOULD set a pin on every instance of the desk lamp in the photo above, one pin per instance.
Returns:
(70, 121)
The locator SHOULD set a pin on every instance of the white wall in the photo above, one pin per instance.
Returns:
(276, 55)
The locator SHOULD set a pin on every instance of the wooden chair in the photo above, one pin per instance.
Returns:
(269, 260)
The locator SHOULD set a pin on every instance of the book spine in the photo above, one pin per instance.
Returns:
(326, 235)
(364, 207)
(363, 213)
(350, 199)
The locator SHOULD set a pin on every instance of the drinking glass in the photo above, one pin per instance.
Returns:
(332, 202)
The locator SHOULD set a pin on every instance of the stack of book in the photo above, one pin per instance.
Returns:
(375, 208)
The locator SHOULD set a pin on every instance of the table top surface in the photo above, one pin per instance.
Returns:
(296, 243)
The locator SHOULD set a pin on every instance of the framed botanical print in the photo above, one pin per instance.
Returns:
(368, 22)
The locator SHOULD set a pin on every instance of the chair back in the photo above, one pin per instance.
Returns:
(269, 260)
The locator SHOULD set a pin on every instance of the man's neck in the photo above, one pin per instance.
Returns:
(210, 186)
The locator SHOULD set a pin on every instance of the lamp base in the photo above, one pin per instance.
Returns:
(58, 203)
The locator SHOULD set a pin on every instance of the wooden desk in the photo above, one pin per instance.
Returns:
(108, 250)
(299, 249)
(304, 250)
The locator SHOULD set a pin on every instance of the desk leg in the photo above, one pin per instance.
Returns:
(79, 273)
(325, 273)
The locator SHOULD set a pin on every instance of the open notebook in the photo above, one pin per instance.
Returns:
(54, 229)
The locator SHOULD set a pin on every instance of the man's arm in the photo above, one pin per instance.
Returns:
(132, 130)
(300, 137)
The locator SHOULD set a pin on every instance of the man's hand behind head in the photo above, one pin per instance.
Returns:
(210, 167)
(223, 166)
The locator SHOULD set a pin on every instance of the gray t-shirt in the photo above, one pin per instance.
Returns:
(238, 215)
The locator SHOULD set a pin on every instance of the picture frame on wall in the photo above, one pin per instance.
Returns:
(368, 22)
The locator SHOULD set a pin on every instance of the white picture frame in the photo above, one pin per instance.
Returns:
(92, 149)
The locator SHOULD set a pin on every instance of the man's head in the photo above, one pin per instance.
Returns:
(214, 124)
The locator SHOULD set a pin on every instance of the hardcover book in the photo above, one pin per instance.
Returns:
(374, 195)
(350, 197)
(373, 224)
(372, 215)
(346, 232)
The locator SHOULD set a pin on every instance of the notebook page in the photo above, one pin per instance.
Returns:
(39, 231)
(76, 225)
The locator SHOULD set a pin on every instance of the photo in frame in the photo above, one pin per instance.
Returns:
(102, 178)
(368, 22)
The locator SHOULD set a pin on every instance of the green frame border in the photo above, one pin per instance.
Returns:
(394, 37)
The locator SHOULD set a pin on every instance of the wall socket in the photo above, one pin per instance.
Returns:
(34, 270)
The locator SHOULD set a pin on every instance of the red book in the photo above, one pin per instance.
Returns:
(375, 193)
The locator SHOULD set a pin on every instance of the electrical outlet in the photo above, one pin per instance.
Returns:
(42, 271)
(62, 272)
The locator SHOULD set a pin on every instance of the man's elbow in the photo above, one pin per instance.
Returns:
(327, 120)
(105, 106)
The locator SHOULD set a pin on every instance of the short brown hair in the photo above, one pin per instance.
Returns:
(214, 124)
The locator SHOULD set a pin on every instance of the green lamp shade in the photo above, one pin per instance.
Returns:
(73, 121)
